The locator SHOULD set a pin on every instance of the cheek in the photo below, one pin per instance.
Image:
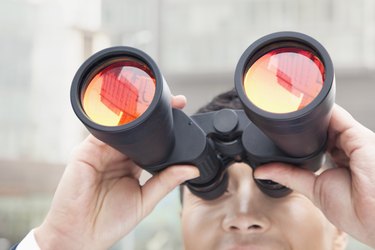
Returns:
(201, 227)
(307, 228)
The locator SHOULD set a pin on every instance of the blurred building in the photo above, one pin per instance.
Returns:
(44, 42)
(196, 44)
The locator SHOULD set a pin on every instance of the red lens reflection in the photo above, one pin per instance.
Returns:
(120, 93)
(284, 80)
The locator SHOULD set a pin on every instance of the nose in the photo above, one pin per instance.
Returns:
(249, 210)
(246, 223)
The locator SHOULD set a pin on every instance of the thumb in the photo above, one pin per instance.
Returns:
(298, 179)
(158, 186)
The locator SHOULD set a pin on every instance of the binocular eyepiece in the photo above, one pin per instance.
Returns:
(284, 80)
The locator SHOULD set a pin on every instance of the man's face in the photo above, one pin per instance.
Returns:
(245, 218)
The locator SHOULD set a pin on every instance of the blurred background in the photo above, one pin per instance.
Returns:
(195, 43)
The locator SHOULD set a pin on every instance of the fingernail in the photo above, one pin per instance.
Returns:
(181, 97)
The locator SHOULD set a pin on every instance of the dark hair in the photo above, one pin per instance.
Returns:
(229, 100)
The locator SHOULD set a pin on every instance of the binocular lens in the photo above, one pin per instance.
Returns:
(284, 80)
(118, 93)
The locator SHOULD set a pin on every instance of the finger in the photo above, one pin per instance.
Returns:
(346, 129)
(179, 101)
(99, 148)
(341, 120)
(161, 184)
(103, 158)
(300, 180)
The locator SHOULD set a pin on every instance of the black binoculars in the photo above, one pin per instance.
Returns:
(284, 80)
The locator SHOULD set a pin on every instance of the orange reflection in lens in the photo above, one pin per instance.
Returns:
(284, 80)
(119, 94)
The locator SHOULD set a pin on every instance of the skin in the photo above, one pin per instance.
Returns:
(345, 194)
(245, 218)
(100, 199)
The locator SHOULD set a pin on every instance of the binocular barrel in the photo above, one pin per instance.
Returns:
(285, 82)
(121, 97)
(123, 100)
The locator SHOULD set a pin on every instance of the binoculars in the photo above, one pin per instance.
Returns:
(284, 80)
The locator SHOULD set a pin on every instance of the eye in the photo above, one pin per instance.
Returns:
(272, 189)
(270, 185)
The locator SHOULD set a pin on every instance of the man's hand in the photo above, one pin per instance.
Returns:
(99, 198)
(345, 194)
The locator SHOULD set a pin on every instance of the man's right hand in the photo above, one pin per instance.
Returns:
(99, 198)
